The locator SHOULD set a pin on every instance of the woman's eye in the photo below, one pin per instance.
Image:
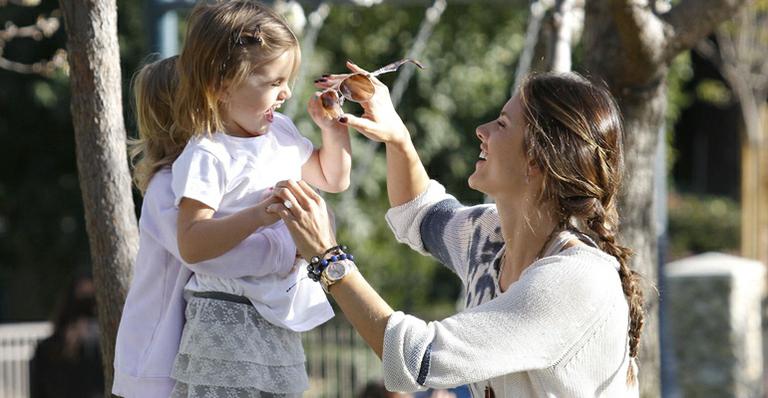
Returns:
(500, 123)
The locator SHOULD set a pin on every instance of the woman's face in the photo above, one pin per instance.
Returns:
(502, 166)
(248, 109)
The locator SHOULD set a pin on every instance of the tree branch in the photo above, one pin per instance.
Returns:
(23, 3)
(691, 20)
(641, 33)
(44, 27)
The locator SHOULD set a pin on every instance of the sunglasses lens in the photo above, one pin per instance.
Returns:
(330, 102)
(357, 88)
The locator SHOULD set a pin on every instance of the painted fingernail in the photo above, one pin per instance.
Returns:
(320, 80)
(326, 76)
(343, 120)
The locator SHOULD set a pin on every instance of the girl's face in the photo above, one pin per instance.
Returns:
(248, 109)
(502, 166)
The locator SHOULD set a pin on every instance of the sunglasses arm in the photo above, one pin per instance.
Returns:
(394, 66)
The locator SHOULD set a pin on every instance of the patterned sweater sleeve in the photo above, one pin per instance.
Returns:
(435, 223)
(531, 326)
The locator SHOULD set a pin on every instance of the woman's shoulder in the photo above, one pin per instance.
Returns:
(582, 270)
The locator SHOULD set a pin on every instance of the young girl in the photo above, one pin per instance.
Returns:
(241, 333)
(153, 316)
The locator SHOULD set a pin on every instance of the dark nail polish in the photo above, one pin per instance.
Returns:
(326, 76)
(343, 120)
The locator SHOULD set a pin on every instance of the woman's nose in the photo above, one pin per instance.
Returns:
(480, 132)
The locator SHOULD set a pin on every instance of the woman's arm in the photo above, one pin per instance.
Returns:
(533, 325)
(329, 167)
(364, 308)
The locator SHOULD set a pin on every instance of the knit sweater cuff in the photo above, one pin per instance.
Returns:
(405, 220)
(406, 339)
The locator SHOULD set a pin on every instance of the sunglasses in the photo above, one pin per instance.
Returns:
(356, 87)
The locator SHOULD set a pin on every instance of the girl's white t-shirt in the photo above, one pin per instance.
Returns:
(230, 174)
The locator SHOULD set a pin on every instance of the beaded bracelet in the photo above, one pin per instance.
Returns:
(318, 264)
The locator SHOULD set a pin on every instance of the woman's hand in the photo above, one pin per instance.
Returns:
(379, 122)
(305, 216)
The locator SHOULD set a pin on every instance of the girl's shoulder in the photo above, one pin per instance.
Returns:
(214, 144)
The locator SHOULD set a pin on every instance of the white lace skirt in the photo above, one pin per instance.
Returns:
(228, 350)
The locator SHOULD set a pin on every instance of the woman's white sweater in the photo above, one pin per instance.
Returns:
(559, 331)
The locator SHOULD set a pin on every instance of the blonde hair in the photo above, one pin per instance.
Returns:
(574, 134)
(154, 86)
(225, 43)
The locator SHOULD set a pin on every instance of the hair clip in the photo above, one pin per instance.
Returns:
(246, 39)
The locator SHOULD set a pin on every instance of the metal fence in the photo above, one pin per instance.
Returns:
(339, 362)
(17, 345)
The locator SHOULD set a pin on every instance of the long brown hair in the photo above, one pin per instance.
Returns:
(225, 43)
(574, 135)
(158, 146)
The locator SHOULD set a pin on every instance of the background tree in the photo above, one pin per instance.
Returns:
(100, 137)
(630, 44)
(740, 53)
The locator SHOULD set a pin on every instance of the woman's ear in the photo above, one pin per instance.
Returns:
(532, 169)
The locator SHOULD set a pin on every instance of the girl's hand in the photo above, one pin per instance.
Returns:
(305, 216)
(267, 217)
(379, 122)
(322, 118)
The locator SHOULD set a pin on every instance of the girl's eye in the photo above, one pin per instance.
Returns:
(500, 123)
(277, 84)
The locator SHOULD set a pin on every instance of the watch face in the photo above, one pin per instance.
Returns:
(336, 271)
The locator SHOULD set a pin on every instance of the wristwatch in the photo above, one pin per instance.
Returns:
(335, 272)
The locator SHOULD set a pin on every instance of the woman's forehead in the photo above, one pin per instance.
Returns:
(512, 108)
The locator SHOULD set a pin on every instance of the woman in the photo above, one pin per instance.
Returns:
(552, 308)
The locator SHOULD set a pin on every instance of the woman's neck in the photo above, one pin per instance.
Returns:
(526, 228)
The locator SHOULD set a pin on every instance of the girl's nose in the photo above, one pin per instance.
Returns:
(287, 93)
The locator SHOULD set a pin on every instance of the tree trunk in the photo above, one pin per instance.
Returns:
(754, 190)
(629, 47)
(102, 164)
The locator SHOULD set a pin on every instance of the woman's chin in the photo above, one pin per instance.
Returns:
(473, 183)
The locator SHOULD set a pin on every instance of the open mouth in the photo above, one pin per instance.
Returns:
(270, 113)
(483, 155)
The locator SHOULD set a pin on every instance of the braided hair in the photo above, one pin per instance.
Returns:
(574, 135)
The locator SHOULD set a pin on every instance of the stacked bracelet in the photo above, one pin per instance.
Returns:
(318, 264)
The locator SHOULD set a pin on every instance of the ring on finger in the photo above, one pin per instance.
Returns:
(287, 204)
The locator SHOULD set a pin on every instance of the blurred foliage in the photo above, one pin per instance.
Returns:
(714, 92)
(470, 59)
(699, 224)
(680, 72)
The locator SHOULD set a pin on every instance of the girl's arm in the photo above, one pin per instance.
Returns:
(329, 167)
(202, 237)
